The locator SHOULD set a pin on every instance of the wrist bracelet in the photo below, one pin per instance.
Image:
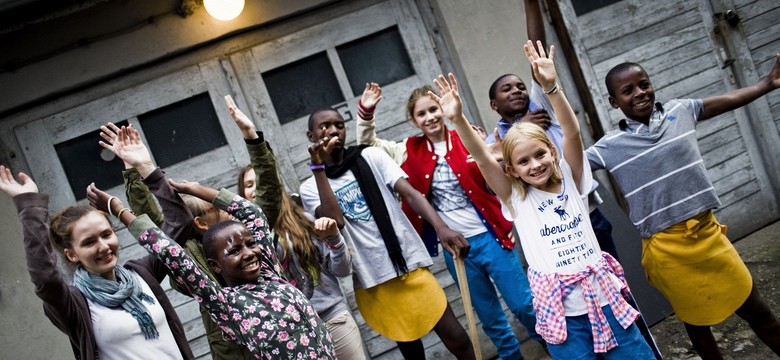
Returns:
(553, 89)
(316, 167)
(109, 205)
(119, 214)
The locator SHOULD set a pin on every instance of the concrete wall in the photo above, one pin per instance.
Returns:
(486, 40)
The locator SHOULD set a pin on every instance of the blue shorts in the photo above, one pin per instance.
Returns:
(579, 341)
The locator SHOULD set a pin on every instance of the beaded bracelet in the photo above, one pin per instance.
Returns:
(316, 167)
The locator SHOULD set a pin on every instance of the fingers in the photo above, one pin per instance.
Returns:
(552, 52)
(454, 82)
(540, 48)
(230, 103)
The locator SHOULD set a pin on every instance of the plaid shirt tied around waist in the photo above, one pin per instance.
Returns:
(551, 288)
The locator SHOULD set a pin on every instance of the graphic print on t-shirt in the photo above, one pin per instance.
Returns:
(447, 193)
(352, 203)
(562, 231)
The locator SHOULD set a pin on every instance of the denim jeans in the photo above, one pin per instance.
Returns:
(488, 260)
(579, 341)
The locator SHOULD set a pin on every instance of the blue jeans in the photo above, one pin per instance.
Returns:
(488, 260)
(579, 341)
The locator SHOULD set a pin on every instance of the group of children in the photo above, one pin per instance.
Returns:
(264, 270)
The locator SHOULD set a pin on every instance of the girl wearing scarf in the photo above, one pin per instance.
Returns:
(109, 311)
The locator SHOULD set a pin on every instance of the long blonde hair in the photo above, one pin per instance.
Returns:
(519, 133)
(294, 223)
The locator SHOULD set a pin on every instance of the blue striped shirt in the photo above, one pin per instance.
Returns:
(658, 167)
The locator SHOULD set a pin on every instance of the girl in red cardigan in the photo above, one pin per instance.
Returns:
(439, 166)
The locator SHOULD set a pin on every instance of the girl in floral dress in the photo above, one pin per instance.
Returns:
(258, 308)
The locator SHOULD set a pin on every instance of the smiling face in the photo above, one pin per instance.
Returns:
(511, 97)
(533, 162)
(428, 117)
(632, 92)
(94, 245)
(235, 254)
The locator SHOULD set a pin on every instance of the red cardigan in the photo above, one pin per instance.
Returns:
(419, 166)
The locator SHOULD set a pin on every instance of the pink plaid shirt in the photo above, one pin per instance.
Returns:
(551, 288)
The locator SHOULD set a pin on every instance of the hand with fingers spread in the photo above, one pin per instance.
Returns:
(125, 142)
(371, 96)
(542, 64)
(448, 98)
(12, 187)
(243, 122)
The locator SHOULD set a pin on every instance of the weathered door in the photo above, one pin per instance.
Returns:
(690, 50)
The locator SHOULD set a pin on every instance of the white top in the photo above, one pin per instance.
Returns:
(556, 234)
(371, 263)
(450, 200)
(118, 335)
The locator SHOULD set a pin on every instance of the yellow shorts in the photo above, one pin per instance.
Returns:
(405, 308)
(695, 266)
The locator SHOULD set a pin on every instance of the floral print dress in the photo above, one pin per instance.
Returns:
(272, 318)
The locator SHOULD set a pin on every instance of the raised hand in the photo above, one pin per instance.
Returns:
(496, 149)
(480, 130)
(542, 65)
(99, 199)
(125, 142)
(321, 149)
(449, 98)
(325, 227)
(243, 122)
(371, 95)
(10, 186)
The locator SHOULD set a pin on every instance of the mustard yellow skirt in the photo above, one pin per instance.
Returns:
(405, 308)
(695, 266)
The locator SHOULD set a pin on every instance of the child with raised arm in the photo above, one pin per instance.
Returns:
(258, 308)
(578, 289)
(655, 159)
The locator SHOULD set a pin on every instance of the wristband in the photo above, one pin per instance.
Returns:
(316, 167)
(109, 205)
(553, 89)
(364, 112)
(119, 214)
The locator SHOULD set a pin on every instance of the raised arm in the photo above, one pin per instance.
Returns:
(329, 206)
(719, 104)
(33, 211)
(451, 107)
(366, 125)
(544, 70)
(268, 184)
(127, 145)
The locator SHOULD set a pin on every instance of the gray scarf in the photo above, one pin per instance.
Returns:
(125, 292)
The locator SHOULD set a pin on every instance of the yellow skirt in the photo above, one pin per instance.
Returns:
(695, 266)
(405, 308)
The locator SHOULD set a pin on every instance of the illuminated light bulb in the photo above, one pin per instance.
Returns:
(224, 10)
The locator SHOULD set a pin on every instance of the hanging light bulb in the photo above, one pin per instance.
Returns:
(224, 10)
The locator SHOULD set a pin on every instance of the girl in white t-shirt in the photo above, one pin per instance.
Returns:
(578, 289)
